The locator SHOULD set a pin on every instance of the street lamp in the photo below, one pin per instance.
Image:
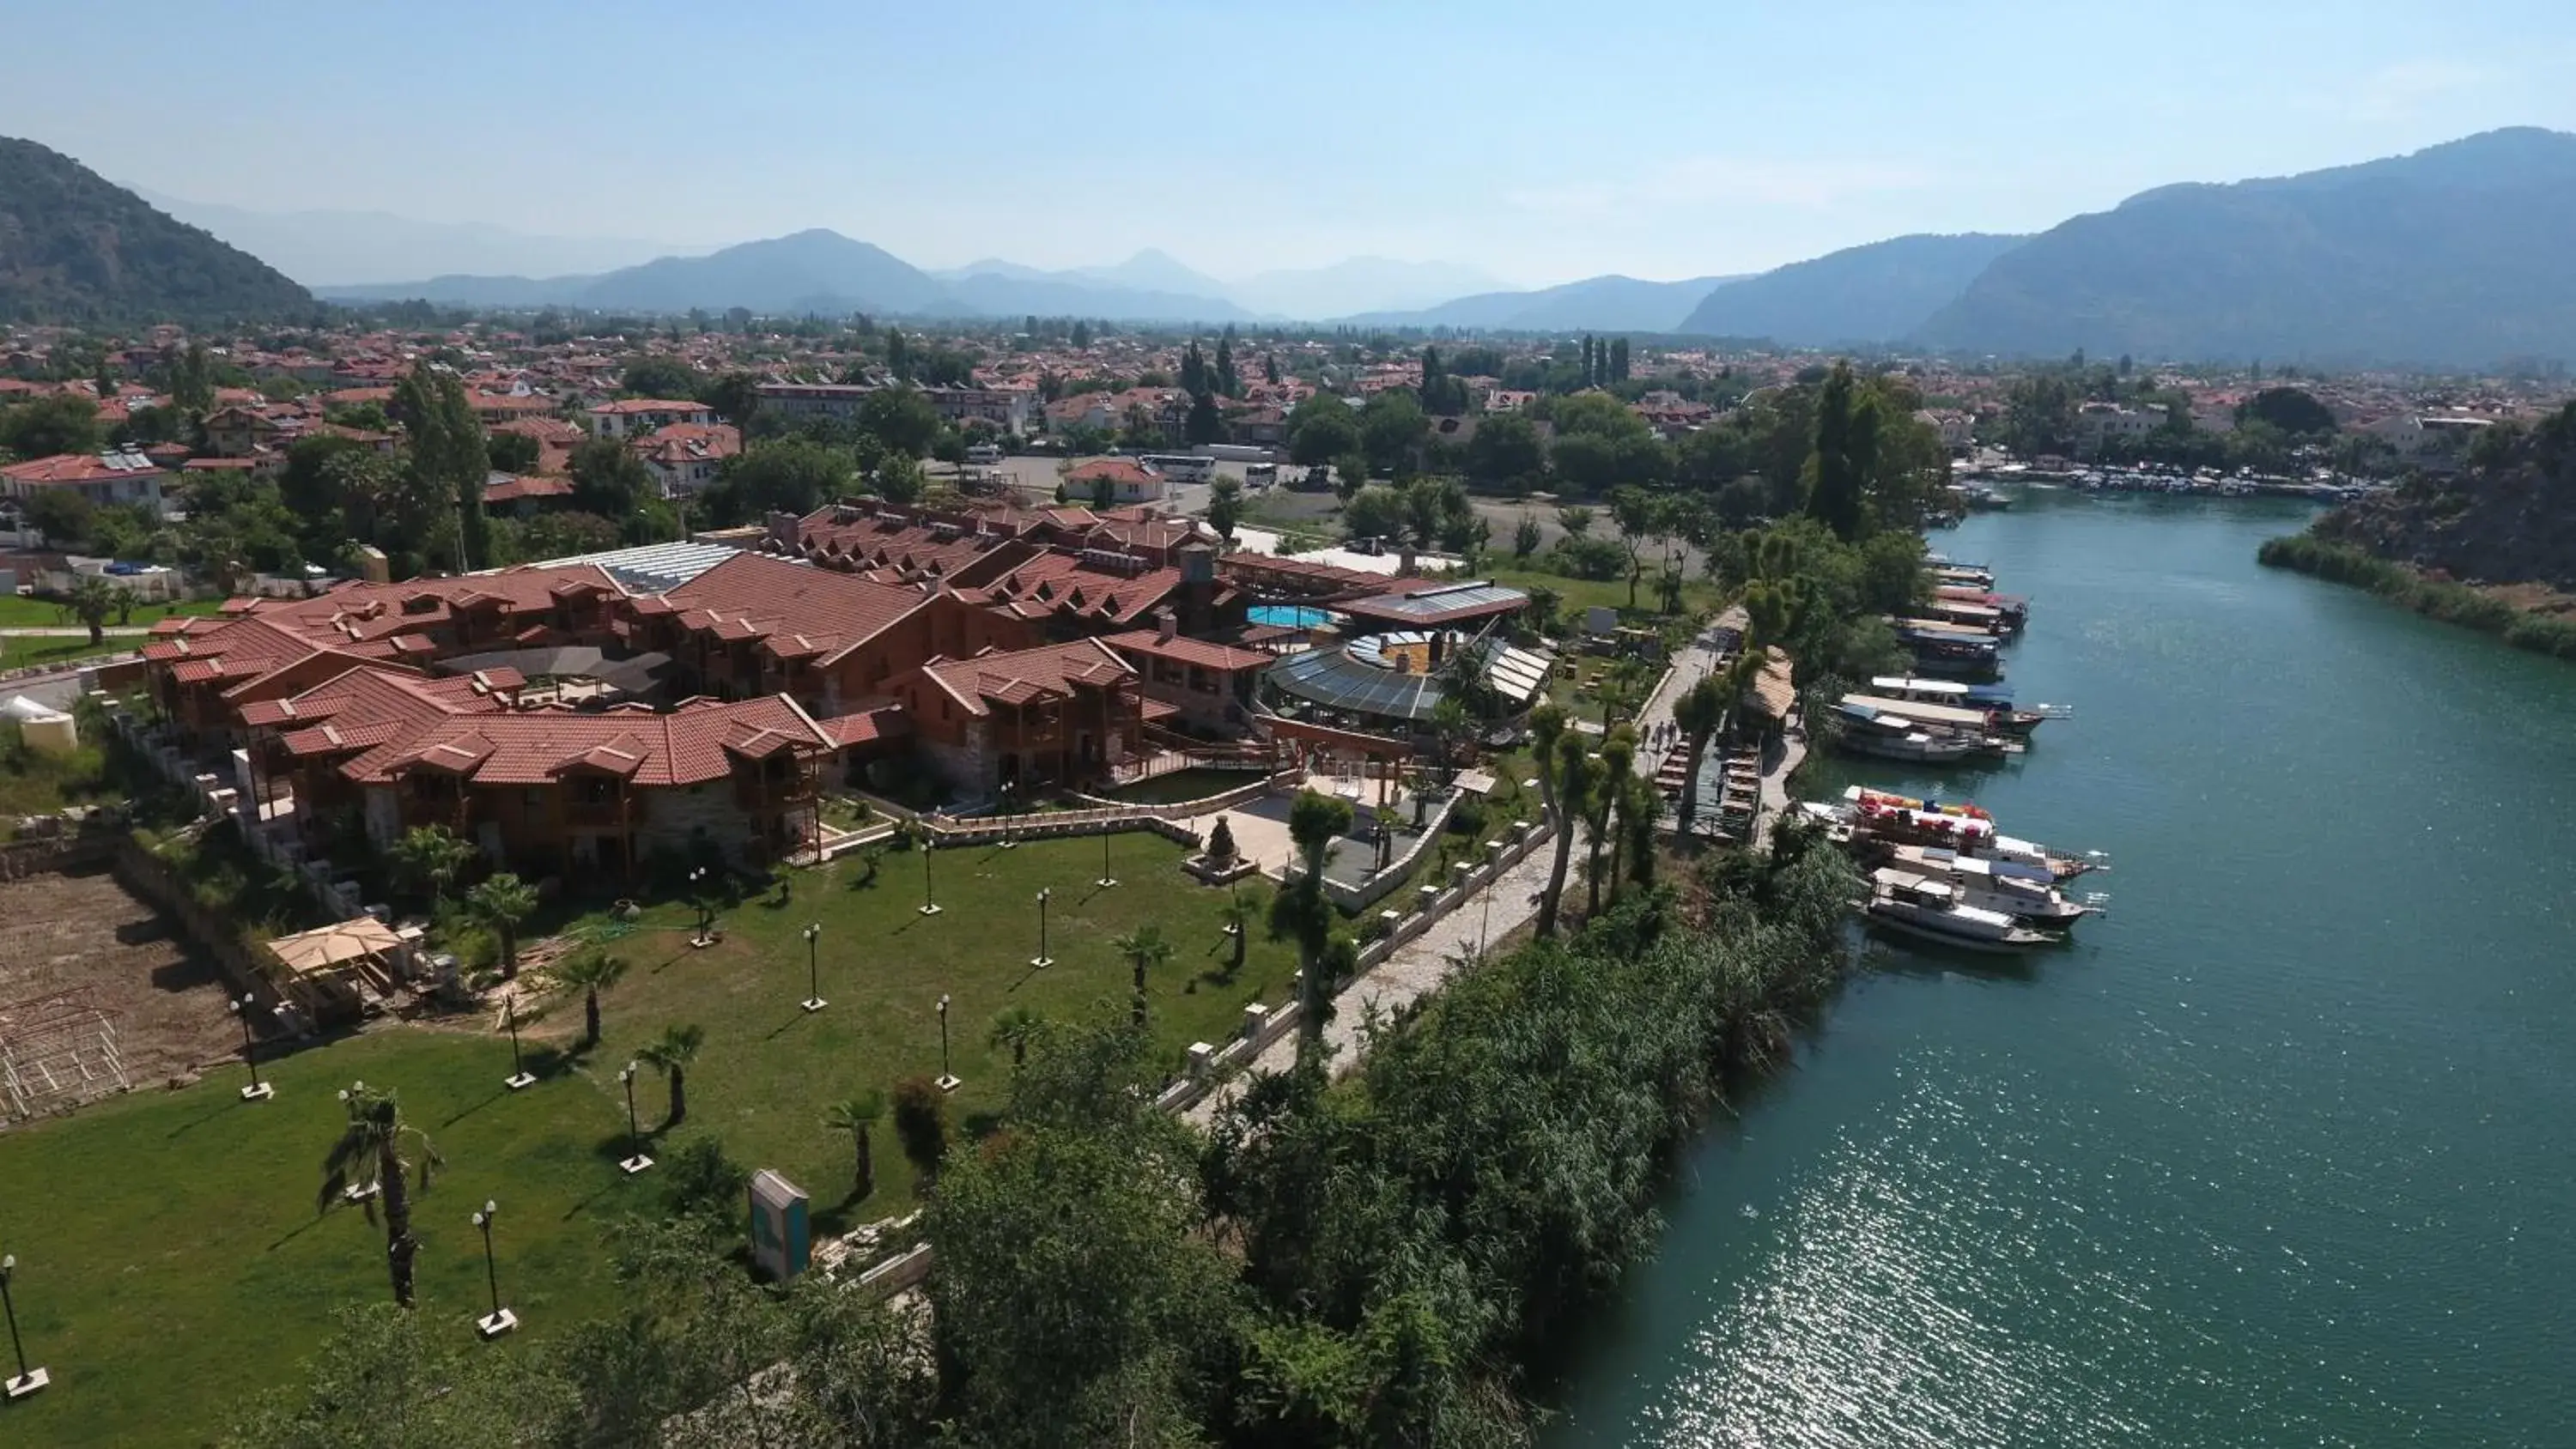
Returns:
(929, 907)
(519, 1076)
(636, 1161)
(500, 1320)
(29, 1379)
(1042, 960)
(1008, 841)
(257, 1091)
(948, 1081)
(814, 967)
(1106, 879)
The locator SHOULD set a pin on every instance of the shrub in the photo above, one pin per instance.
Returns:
(921, 1125)
(1220, 842)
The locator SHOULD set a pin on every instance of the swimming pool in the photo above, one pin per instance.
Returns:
(1290, 616)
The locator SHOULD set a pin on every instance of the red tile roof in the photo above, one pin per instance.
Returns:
(1024, 675)
(802, 610)
(691, 745)
(1184, 650)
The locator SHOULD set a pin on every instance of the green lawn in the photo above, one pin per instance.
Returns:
(1180, 785)
(1698, 595)
(170, 1260)
(24, 611)
(27, 651)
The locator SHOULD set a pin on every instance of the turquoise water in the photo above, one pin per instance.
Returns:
(2278, 1154)
(1290, 616)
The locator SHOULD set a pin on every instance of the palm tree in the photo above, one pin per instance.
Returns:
(1301, 909)
(369, 1160)
(1565, 779)
(1239, 915)
(503, 903)
(670, 1054)
(1146, 948)
(1015, 1028)
(91, 601)
(1699, 711)
(590, 972)
(856, 1116)
(430, 857)
(1618, 756)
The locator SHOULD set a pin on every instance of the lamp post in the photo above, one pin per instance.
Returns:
(257, 1091)
(500, 1320)
(948, 1080)
(1042, 960)
(519, 1076)
(29, 1379)
(1106, 879)
(636, 1162)
(814, 967)
(1009, 841)
(929, 907)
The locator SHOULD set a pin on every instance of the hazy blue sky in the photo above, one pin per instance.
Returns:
(1542, 142)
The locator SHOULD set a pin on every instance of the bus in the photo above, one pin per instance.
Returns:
(1181, 467)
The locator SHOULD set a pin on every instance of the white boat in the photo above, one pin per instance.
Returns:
(1992, 702)
(1868, 729)
(1903, 820)
(1929, 910)
(1986, 885)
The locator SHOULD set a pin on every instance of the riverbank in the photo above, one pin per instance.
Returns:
(2236, 1166)
(2486, 610)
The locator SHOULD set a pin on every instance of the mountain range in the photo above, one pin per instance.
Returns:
(74, 247)
(350, 248)
(2453, 256)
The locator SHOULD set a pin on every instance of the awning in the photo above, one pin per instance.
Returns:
(327, 948)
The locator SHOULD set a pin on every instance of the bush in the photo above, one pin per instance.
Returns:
(1220, 842)
(921, 1125)
(1468, 817)
(2451, 603)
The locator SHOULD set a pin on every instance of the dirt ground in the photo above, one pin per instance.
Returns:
(83, 934)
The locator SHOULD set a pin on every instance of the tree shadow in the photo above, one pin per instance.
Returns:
(981, 1124)
(220, 1108)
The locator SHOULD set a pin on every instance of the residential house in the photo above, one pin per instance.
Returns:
(109, 478)
(1128, 481)
(1207, 687)
(1063, 714)
(685, 457)
(629, 417)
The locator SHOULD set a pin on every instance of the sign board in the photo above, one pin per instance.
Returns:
(781, 1235)
(1600, 622)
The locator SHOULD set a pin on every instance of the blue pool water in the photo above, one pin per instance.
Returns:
(1290, 616)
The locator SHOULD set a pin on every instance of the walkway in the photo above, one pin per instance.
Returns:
(1415, 970)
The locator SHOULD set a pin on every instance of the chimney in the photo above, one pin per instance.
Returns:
(783, 527)
(1404, 562)
(1166, 624)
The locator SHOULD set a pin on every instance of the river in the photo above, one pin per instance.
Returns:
(2279, 1153)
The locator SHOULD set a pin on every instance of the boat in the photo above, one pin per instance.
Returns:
(1993, 699)
(1887, 735)
(2013, 608)
(1951, 654)
(1877, 816)
(1981, 884)
(1929, 910)
(1877, 713)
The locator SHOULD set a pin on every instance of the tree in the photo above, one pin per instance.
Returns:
(386, 1379)
(659, 377)
(900, 418)
(1376, 511)
(1616, 767)
(1525, 537)
(734, 397)
(590, 971)
(93, 601)
(1017, 1027)
(1392, 427)
(1239, 914)
(791, 475)
(511, 452)
(1145, 949)
(858, 1116)
(1227, 380)
(430, 858)
(1567, 788)
(63, 516)
(370, 1158)
(1225, 507)
(503, 902)
(1204, 424)
(1633, 512)
(921, 1125)
(1698, 713)
(670, 1054)
(1322, 430)
(1301, 911)
(61, 422)
(2295, 411)
(1838, 463)
(1505, 449)
(447, 450)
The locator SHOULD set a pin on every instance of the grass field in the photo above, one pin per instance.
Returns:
(1698, 595)
(23, 611)
(1181, 785)
(27, 651)
(169, 1239)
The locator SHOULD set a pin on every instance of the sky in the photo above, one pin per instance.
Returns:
(1541, 143)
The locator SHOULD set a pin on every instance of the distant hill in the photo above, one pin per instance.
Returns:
(75, 247)
(1595, 304)
(1358, 284)
(1157, 271)
(810, 271)
(347, 248)
(2453, 256)
(1873, 293)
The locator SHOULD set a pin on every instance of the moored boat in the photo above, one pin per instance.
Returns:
(1982, 884)
(1929, 910)
(1878, 816)
(1888, 735)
